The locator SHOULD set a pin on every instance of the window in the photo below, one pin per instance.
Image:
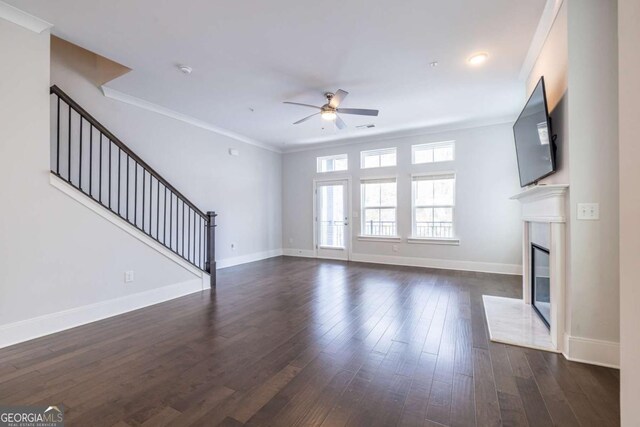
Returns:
(378, 207)
(335, 163)
(378, 158)
(433, 205)
(433, 152)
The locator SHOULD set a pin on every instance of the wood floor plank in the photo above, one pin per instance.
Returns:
(554, 398)
(486, 396)
(463, 401)
(511, 410)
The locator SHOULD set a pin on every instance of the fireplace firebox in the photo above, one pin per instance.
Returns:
(541, 283)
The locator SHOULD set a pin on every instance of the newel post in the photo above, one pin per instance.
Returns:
(211, 247)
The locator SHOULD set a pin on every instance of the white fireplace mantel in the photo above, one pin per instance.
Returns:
(543, 203)
(514, 321)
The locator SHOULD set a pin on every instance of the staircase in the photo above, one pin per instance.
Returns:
(95, 162)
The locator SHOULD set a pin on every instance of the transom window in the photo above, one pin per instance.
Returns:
(433, 206)
(378, 158)
(433, 152)
(379, 201)
(335, 163)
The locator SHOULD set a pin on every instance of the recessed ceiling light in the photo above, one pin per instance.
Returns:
(185, 69)
(478, 58)
(433, 64)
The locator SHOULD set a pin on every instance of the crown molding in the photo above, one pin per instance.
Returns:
(548, 17)
(407, 133)
(141, 103)
(23, 19)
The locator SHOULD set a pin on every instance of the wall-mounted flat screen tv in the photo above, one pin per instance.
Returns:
(535, 147)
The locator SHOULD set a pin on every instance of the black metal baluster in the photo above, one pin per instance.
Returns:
(69, 153)
(171, 221)
(144, 190)
(127, 204)
(58, 138)
(183, 228)
(100, 171)
(200, 241)
(158, 210)
(110, 173)
(188, 233)
(119, 173)
(90, 159)
(135, 196)
(164, 217)
(80, 159)
(193, 241)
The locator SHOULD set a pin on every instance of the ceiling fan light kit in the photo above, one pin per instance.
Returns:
(330, 110)
(328, 115)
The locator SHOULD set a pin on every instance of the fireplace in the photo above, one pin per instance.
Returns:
(536, 320)
(541, 283)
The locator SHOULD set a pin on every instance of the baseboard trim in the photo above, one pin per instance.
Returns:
(302, 253)
(445, 264)
(25, 330)
(243, 259)
(594, 352)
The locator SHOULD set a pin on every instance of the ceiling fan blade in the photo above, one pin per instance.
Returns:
(337, 98)
(340, 124)
(359, 111)
(306, 118)
(304, 105)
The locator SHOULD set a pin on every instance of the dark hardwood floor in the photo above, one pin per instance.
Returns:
(291, 341)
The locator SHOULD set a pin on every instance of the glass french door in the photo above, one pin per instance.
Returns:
(332, 219)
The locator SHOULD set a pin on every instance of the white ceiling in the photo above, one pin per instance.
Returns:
(255, 54)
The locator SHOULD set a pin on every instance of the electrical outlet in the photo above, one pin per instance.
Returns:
(291, 240)
(128, 276)
(233, 246)
(394, 248)
(589, 211)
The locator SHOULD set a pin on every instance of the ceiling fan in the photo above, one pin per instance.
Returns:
(330, 110)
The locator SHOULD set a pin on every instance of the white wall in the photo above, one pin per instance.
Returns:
(56, 255)
(593, 130)
(579, 63)
(487, 222)
(629, 90)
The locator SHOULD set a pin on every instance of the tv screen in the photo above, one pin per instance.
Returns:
(534, 142)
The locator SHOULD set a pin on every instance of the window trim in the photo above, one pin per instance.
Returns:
(414, 238)
(433, 145)
(344, 156)
(373, 180)
(381, 151)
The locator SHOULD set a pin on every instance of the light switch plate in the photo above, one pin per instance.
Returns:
(128, 276)
(589, 211)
